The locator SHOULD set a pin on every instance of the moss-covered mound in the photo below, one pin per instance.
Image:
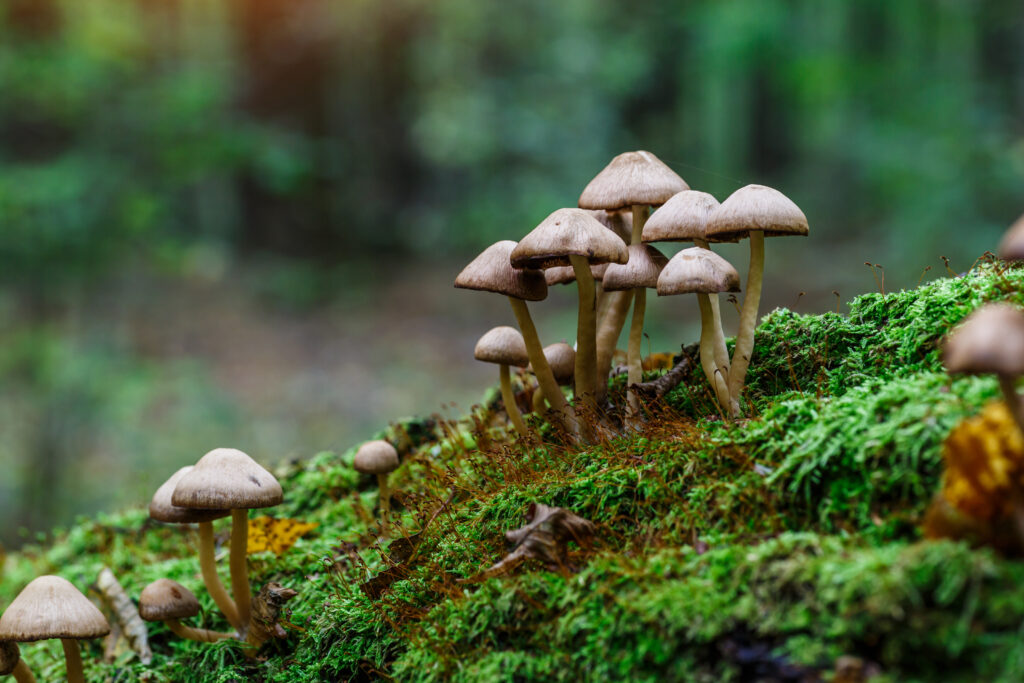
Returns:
(766, 549)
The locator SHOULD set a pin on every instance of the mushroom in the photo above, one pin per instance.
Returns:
(168, 601)
(635, 181)
(562, 359)
(754, 211)
(991, 339)
(505, 346)
(228, 479)
(573, 236)
(378, 457)
(162, 510)
(51, 607)
(11, 663)
(702, 271)
(637, 274)
(1011, 247)
(491, 271)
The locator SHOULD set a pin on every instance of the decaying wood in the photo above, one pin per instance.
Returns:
(266, 613)
(123, 611)
(657, 388)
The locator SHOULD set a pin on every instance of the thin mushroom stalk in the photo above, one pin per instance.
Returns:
(199, 634)
(211, 579)
(608, 330)
(384, 494)
(635, 372)
(22, 674)
(748, 322)
(586, 340)
(1006, 385)
(509, 399)
(716, 379)
(73, 658)
(565, 417)
(721, 352)
(240, 567)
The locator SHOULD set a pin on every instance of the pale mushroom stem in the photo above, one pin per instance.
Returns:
(586, 331)
(1012, 399)
(608, 331)
(538, 401)
(721, 353)
(208, 567)
(384, 496)
(715, 377)
(201, 634)
(565, 418)
(748, 321)
(640, 213)
(240, 567)
(23, 674)
(635, 373)
(509, 398)
(73, 658)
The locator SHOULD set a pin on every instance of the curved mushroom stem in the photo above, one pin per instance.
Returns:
(566, 417)
(608, 330)
(634, 363)
(509, 400)
(748, 321)
(201, 634)
(715, 377)
(73, 658)
(1012, 400)
(240, 568)
(586, 340)
(721, 351)
(22, 674)
(208, 567)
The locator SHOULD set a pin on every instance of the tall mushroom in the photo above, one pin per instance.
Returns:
(703, 272)
(11, 663)
(162, 510)
(637, 274)
(228, 479)
(51, 607)
(991, 339)
(380, 458)
(504, 346)
(492, 271)
(756, 212)
(573, 236)
(168, 601)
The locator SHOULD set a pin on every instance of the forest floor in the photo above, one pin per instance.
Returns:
(785, 546)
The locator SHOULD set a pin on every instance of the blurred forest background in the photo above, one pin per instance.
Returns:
(237, 222)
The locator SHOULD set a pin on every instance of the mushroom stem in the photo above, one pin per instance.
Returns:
(634, 363)
(716, 379)
(1012, 399)
(538, 401)
(240, 568)
(566, 417)
(640, 213)
(721, 351)
(208, 567)
(586, 340)
(201, 634)
(748, 321)
(23, 674)
(509, 399)
(608, 331)
(73, 658)
(384, 497)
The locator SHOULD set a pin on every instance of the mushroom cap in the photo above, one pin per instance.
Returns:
(165, 599)
(492, 271)
(376, 457)
(51, 607)
(620, 222)
(564, 275)
(752, 208)
(683, 218)
(641, 270)
(562, 359)
(503, 345)
(696, 270)
(991, 339)
(565, 233)
(632, 178)
(1011, 247)
(9, 656)
(162, 510)
(227, 479)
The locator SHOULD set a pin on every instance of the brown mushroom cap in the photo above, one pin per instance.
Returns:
(562, 359)
(991, 339)
(753, 208)
(503, 345)
(227, 479)
(641, 270)
(565, 275)
(697, 270)
(9, 656)
(162, 510)
(165, 599)
(632, 178)
(376, 457)
(1011, 247)
(683, 218)
(51, 607)
(565, 233)
(492, 271)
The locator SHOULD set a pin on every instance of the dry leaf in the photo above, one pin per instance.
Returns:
(275, 535)
(266, 613)
(124, 617)
(545, 537)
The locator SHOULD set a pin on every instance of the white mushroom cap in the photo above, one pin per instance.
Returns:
(562, 359)
(632, 178)
(162, 510)
(503, 345)
(641, 270)
(991, 339)
(683, 218)
(227, 479)
(166, 599)
(565, 233)
(753, 208)
(492, 271)
(51, 607)
(696, 270)
(376, 457)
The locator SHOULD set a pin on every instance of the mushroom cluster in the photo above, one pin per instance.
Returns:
(588, 246)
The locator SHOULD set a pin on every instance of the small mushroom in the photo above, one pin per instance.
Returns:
(51, 607)
(378, 457)
(562, 359)
(11, 663)
(228, 479)
(168, 601)
(505, 346)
